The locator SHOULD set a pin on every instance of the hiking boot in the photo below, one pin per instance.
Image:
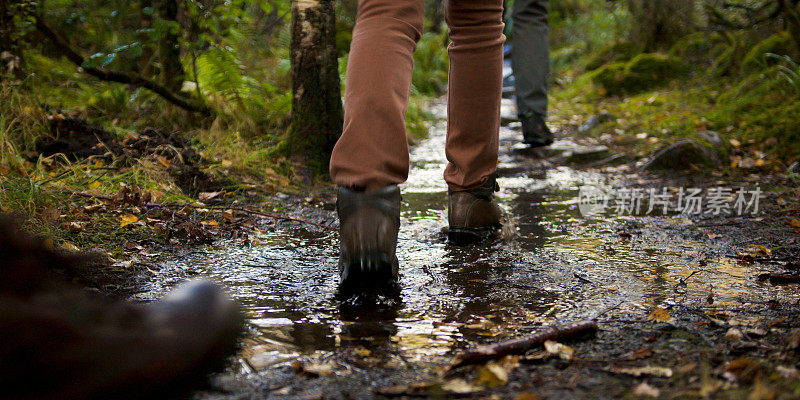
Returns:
(535, 132)
(60, 341)
(78, 346)
(473, 214)
(368, 226)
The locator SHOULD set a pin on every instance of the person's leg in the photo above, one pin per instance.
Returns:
(372, 152)
(474, 91)
(473, 116)
(371, 157)
(530, 60)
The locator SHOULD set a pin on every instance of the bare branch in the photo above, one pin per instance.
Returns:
(118, 76)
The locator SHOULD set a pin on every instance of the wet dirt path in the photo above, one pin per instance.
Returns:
(552, 265)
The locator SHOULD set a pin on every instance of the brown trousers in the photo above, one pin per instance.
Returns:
(373, 151)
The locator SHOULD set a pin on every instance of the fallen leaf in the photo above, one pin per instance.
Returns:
(526, 396)
(210, 222)
(76, 226)
(563, 351)
(645, 371)
(362, 352)
(760, 250)
(460, 386)
(206, 196)
(659, 315)
(645, 390)
(492, 375)
(127, 219)
(733, 334)
(69, 247)
(762, 391)
(228, 215)
(788, 372)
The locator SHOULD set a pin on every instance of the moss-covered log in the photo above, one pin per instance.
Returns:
(316, 121)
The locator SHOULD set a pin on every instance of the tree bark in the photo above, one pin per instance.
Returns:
(316, 121)
(791, 14)
(658, 23)
(169, 50)
(10, 57)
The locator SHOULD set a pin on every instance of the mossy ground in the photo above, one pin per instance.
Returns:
(684, 94)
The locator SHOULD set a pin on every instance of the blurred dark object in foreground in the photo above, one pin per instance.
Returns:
(58, 341)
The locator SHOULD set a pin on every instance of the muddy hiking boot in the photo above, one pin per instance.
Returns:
(368, 227)
(535, 132)
(60, 341)
(473, 214)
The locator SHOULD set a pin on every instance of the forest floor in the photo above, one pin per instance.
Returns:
(688, 305)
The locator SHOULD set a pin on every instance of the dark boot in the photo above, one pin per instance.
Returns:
(368, 226)
(59, 341)
(535, 132)
(473, 214)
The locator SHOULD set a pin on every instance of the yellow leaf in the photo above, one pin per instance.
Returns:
(127, 220)
(69, 246)
(363, 352)
(163, 161)
(760, 250)
(94, 185)
(526, 396)
(492, 375)
(659, 315)
(210, 222)
(794, 223)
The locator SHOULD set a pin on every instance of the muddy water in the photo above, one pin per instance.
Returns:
(551, 264)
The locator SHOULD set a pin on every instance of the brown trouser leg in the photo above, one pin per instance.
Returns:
(373, 151)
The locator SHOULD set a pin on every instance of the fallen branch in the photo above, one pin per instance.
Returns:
(215, 208)
(118, 76)
(485, 353)
(778, 279)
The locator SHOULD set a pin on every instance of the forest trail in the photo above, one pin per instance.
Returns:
(659, 280)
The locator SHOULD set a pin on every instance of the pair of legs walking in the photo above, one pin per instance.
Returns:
(371, 157)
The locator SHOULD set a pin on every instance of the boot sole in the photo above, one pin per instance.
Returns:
(465, 236)
(368, 272)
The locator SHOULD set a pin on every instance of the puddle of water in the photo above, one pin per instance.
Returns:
(452, 296)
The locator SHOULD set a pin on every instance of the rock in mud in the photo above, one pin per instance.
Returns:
(683, 155)
(587, 154)
(594, 121)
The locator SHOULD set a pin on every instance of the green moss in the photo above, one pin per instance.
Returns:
(615, 52)
(759, 108)
(693, 46)
(643, 72)
(780, 43)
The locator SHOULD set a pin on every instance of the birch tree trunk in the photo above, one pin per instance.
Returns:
(316, 121)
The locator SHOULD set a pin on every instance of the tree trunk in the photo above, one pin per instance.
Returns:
(169, 49)
(658, 23)
(10, 57)
(791, 16)
(316, 121)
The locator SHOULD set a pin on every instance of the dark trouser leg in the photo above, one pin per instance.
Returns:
(531, 59)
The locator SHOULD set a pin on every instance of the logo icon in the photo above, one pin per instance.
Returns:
(592, 200)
